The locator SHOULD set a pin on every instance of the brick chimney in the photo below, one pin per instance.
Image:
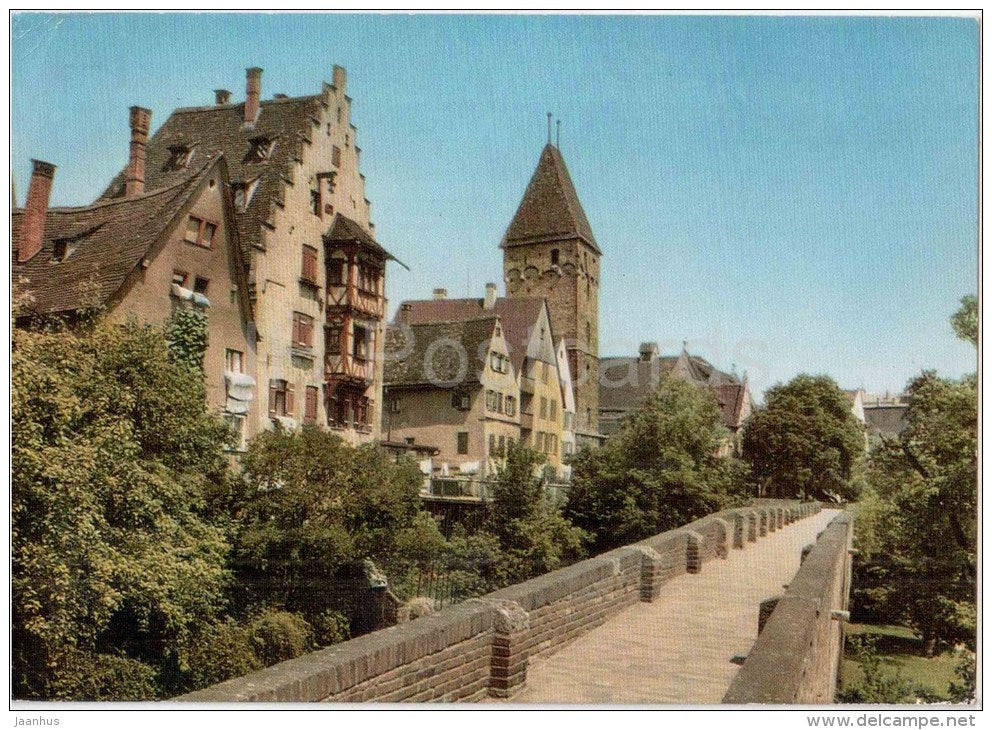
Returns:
(440, 293)
(648, 351)
(405, 310)
(490, 301)
(339, 79)
(222, 96)
(35, 208)
(253, 91)
(134, 177)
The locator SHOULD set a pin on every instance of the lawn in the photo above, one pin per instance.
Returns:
(901, 651)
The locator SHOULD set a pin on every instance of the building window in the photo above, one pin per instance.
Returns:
(302, 330)
(261, 149)
(502, 444)
(179, 278)
(243, 193)
(336, 156)
(200, 232)
(554, 256)
(235, 361)
(60, 249)
(309, 267)
(237, 425)
(367, 278)
(335, 272)
(394, 404)
(493, 401)
(179, 157)
(461, 401)
(316, 207)
(361, 343)
(280, 398)
(553, 409)
(200, 285)
(462, 442)
(333, 340)
(511, 405)
(492, 444)
(544, 407)
(310, 406)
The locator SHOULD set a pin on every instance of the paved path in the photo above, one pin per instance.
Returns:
(677, 650)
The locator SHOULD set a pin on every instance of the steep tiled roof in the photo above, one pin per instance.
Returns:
(517, 317)
(730, 397)
(626, 382)
(207, 130)
(550, 209)
(105, 242)
(345, 230)
(438, 353)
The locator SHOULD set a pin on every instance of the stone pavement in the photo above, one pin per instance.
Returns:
(677, 649)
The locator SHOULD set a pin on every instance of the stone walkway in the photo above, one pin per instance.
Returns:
(677, 650)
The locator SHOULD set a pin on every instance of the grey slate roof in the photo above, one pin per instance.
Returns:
(106, 241)
(888, 419)
(443, 354)
(550, 209)
(626, 382)
(517, 317)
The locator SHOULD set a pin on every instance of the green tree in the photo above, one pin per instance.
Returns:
(965, 320)
(534, 536)
(920, 565)
(805, 441)
(115, 559)
(311, 505)
(660, 471)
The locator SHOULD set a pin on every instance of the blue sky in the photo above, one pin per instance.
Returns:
(788, 194)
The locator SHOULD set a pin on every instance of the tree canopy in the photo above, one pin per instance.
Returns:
(114, 559)
(661, 470)
(805, 441)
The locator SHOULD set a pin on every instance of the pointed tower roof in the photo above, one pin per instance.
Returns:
(550, 209)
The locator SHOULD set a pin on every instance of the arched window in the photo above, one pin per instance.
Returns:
(554, 256)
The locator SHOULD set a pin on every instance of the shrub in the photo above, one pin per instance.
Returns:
(280, 635)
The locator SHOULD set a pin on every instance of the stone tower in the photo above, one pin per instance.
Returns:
(549, 251)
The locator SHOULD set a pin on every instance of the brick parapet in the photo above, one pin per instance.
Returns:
(482, 647)
(797, 654)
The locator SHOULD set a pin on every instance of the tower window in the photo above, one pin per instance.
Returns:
(554, 256)
(336, 156)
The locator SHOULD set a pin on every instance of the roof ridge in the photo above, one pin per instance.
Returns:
(210, 107)
(433, 322)
(101, 203)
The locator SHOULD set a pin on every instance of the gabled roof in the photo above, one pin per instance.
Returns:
(550, 209)
(106, 242)
(208, 130)
(517, 317)
(626, 382)
(443, 354)
(345, 230)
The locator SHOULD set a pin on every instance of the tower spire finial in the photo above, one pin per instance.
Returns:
(558, 138)
(549, 127)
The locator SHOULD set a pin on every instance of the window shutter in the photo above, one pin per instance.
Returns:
(290, 405)
(272, 398)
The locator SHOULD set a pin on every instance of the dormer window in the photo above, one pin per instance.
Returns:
(243, 193)
(60, 250)
(261, 149)
(179, 157)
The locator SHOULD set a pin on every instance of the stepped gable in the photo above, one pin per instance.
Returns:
(517, 317)
(409, 362)
(550, 209)
(105, 242)
(287, 123)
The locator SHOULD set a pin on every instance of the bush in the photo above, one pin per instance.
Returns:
(280, 635)
(219, 652)
(87, 677)
(331, 627)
